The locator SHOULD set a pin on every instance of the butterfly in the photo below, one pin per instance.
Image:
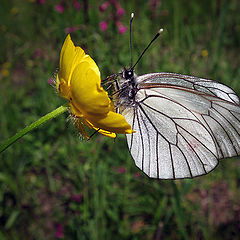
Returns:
(183, 124)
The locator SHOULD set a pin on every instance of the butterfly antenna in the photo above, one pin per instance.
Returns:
(131, 19)
(156, 36)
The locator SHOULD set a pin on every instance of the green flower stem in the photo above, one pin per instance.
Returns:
(34, 125)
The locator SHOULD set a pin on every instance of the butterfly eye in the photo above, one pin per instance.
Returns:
(128, 74)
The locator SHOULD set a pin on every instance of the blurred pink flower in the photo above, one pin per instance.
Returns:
(122, 29)
(136, 174)
(59, 231)
(76, 5)
(103, 25)
(153, 4)
(71, 29)
(41, 1)
(38, 53)
(104, 6)
(50, 81)
(113, 15)
(120, 12)
(59, 8)
(121, 170)
(76, 197)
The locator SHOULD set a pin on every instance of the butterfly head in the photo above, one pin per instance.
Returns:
(128, 77)
(128, 74)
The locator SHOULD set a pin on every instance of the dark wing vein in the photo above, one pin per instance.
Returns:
(133, 126)
(141, 136)
(189, 169)
(171, 157)
(148, 138)
(226, 118)
(157, 154)
(224, 130)
(212, 134)
(194, 152)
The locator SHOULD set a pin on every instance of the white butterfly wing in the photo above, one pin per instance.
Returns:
(200, 84)
(182, 132)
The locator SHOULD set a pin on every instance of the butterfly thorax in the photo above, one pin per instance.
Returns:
(127, 89)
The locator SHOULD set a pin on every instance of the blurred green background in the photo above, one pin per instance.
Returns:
(53, 185)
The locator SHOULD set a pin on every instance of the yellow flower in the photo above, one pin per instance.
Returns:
(204, 53)
(14, 11)
(3, 28)
(4, 72)
(79, 81)
(6, 65)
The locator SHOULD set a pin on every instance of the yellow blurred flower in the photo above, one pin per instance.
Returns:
(14, 11)
(204, 53)
(78, 80)
(4, 72)
(3, 28)
(6, 65)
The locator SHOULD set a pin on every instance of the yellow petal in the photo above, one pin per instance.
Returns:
(87, 94)
(68, 56)
(75, 111)
(107, 134)
(103, 132)
(112, 122)
(62, 88)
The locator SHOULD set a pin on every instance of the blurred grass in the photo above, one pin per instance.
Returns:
(92, 189)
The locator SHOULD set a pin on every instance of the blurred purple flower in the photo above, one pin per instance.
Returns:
(136, 174)
(38, 53)
(76, 197)
(76, 5)
(103, 25)
(50, 81)
(41, 1)
(59, 231)
(153, 4)
(120, 12)
(122, 29)
(121, 170)
(115, 15)
(71, 29)
(104, 6)
(59, 8)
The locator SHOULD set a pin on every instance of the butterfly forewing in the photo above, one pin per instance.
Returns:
(183, 125)
(200, 84)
